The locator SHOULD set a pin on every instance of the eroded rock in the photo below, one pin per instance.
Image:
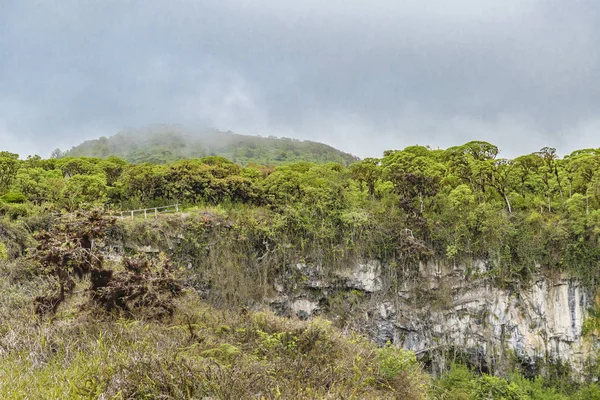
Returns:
(457, 306)
(304, 308)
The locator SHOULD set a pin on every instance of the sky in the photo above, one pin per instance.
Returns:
(361, 75)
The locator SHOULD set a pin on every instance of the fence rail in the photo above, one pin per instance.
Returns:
(152, 211)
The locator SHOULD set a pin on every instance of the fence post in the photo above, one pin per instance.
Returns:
(145, 216)
(131, 214)
(176, 208)
(155, 212)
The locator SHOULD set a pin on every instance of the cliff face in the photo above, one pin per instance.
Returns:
(443, 308)
(439, 311)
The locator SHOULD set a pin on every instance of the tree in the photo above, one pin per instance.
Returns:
(549, 170)
(501, 178)
(72, 166)
(39, 185)
(87, 191)
(415, 165)
(480, 150)
(366, 172)
(582, 166)
(113, 168)
(9, 164)
(471, 162)
(413, 187)
(527, 166)
(145, 182)
(57, 153)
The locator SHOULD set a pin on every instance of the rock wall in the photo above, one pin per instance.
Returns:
(438, 308)
(444, 307)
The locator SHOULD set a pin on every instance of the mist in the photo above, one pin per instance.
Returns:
(361, 76)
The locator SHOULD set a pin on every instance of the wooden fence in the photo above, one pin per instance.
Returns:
(146, 212)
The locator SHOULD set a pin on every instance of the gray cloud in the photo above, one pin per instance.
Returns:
(364, 76)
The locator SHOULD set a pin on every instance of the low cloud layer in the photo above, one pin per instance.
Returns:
(363, 76)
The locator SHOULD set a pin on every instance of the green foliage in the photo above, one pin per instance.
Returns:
(493, 387)
(394, 361)
(3, 252)
(13, 198)
(462, 203)
(540, 389)
(225, 353)
(85, 191)
(14, 211)
(589, 392)
(366, 172)
(79, 356)
(9, 164)
(460, 383)
(242, 226)
(166, 144)
(39, 185)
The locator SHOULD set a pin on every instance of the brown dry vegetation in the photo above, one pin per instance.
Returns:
(200, 352)
(129, 330)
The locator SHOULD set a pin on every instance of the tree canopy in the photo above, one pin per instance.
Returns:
(537, 210)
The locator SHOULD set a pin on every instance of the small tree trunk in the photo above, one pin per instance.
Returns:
(372, 190)
(507, 203)
(587, 205)
(570, 189)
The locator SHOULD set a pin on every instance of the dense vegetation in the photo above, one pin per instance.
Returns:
(535, 211)
(199, 352)
(535, 214)
(164, 144)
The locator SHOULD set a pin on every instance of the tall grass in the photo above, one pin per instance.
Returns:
(201, 352)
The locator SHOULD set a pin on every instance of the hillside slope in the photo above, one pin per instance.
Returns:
(165, 143)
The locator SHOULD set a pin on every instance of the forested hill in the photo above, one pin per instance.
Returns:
(163, 144)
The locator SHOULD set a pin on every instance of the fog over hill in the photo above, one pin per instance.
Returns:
(164, 143)
(364, 76)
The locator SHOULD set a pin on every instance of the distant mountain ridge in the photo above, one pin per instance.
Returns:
(166, 143)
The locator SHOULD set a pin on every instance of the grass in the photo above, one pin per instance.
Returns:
(201, 352)
(213, 348)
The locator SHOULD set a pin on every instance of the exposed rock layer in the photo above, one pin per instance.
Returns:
(449, 307)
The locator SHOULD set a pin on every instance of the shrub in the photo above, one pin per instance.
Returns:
(13, 198)
(394, 361)
(3, 252)
(490, 387)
